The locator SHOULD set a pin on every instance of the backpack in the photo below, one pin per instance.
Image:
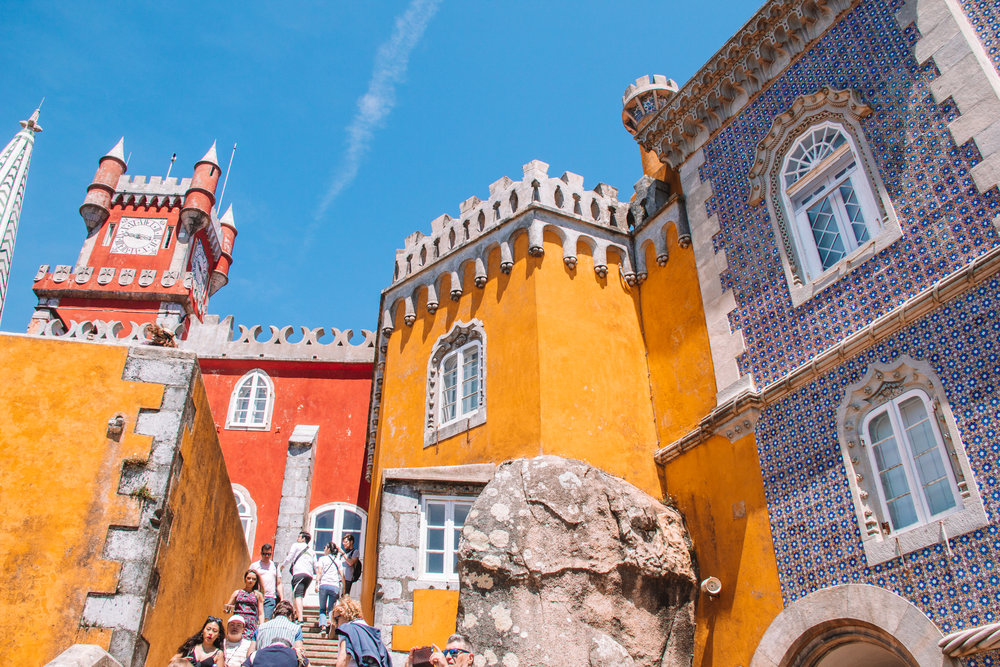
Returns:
(356, 571)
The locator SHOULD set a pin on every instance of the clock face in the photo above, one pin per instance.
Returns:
(139, 236)
(199, 270)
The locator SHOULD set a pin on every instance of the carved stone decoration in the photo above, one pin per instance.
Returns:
(188, 280)
(564, 564)
(83, 274)
(881, 384)
(751, 58)
(169, 278)
(126, 276)
(61, 274)
(42, 270)
(459, 335)
(105, 275)
(146, 277)
(844, 101)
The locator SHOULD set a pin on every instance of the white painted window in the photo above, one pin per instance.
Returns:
(915, 480)
(460, 373)
(907, 468)
(441, 521)
(330, 522)
(456, 383)
(251, 402)
(829, 199)
(247, 510)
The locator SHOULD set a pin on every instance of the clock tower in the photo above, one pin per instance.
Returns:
(155, 251)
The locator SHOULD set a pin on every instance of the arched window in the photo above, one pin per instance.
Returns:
(816, 174)
(828, 198)
(331, 522)
(456, 382)
(906, 465)
(906, 450)
(247, 509)
(251, 402)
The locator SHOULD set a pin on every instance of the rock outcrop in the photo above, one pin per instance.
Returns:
(563, 564)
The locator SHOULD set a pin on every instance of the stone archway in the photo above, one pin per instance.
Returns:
(851, 624)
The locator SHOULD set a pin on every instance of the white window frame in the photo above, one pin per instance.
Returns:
(338, 526)
(458, 342)
(249, 424)
(242, 496)
(823, 179)
(450, 550)
(827, 107)
(908, 462)
(312, 594)
(460, 356)
(882, 385)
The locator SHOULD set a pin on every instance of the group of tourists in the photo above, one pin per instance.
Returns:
(265, 630)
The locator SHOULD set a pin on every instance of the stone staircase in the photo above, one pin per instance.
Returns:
(322, 652)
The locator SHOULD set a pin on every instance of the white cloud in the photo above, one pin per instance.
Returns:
(376, 104)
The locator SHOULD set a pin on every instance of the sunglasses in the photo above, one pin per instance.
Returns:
(454, 652)
(214, 618)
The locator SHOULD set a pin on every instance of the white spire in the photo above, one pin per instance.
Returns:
(227, 218)
(211, 156)
(118, 152)
(14, 161)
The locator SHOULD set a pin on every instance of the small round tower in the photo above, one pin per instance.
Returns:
(220, 275)
(200, 197)
(97, 204)
(644, 97)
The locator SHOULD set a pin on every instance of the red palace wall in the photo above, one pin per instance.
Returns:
(333, 396)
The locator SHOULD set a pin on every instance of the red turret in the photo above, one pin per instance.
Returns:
(200, 197)
(220, 276)
(97, 204)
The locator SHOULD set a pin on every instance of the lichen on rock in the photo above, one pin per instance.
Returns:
(591, 570)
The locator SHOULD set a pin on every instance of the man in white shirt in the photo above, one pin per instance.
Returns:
(269, 575)
(302, 566)
(236, 647)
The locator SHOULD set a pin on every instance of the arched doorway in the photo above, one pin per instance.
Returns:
(329, 523)
(851, 624)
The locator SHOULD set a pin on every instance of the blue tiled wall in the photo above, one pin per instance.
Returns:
(946, 222)
(816, 535)
(985, 18)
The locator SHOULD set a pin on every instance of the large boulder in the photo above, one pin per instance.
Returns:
(563, 564)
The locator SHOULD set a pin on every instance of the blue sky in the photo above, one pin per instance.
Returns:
(357, 123)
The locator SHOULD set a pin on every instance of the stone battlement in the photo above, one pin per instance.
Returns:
(508, 199)
(215, 338)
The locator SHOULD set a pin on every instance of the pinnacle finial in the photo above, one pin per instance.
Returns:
(32, 122)
(118, 152)
(211, 156)
(227, 218)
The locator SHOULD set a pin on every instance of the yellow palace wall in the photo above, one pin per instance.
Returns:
(60, 483)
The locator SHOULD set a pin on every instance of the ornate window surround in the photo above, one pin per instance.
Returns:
(249, 424)
(843, 108)
(882, 383)
(461, 334)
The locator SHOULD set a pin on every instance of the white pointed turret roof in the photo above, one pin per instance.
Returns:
(14, 161)
(118, 152)
(211, 156)
(227, 218)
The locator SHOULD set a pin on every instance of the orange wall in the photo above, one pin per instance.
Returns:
(206, 555)
(714, 484)
(565, 370)
(60, 494)
(60, 481)
(680, 360)
(333, 396)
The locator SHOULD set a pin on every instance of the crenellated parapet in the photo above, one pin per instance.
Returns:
(104, 331)
(534, 205)
(749, 60)
(215, 338)
(154, 191)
